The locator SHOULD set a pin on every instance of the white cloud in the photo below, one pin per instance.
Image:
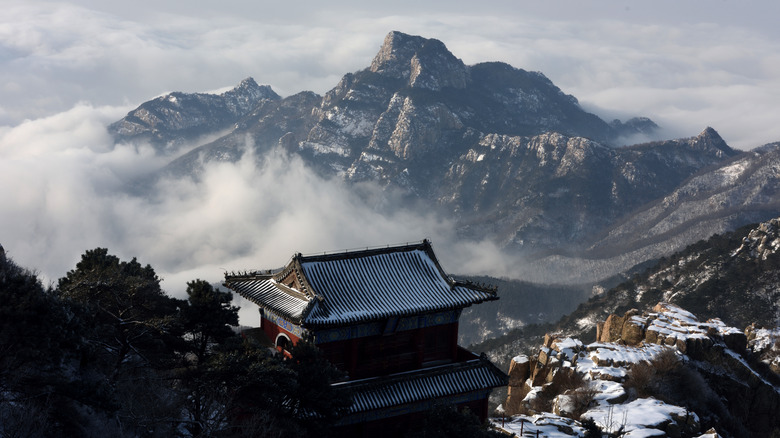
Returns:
(71, 191)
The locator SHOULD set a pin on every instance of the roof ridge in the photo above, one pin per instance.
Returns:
(363, 252)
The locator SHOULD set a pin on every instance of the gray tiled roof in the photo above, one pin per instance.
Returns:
(425, 384)
(271, 295)
(350, 287)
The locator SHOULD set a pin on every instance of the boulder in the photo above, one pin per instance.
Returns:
(514, 399)
(613, 328)
(599, 330)
(519, 370)
(633, 331)
(696, 346)
(651, 337)
(540, 375)
(544, 356)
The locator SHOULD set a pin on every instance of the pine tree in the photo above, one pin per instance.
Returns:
(316, 403)
(132, 318)
(41, 392)
(206, 318)
(130, 326)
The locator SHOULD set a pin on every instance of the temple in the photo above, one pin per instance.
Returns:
(388, 317)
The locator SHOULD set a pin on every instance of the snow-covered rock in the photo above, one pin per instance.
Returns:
(650, 385)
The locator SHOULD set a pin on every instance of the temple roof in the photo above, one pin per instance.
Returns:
(355, 286)
(425, 384)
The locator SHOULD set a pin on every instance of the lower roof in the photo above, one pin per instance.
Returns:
(424, 384)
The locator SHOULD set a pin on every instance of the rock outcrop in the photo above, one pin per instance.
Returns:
(707, 367)
(672, 326)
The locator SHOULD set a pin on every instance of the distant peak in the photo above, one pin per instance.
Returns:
(709, 139)
(425, 63)
(395, 36)
(710, 132)
(248, 83)
(710, 135)
(250, 89)
(397, 50)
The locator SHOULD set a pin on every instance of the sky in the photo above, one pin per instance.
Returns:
(68, 69)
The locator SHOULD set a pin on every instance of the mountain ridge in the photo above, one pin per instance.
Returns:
(174, 118)
(502, 151)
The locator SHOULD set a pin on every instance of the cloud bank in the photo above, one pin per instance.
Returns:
(70, 190)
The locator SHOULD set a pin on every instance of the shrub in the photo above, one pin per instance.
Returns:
(666, 361)
(641, 378)
(582, 399)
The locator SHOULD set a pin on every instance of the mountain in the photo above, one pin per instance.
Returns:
(553, 191)
(742, 189)
(500, 150)
(415, 101)
(174, 119)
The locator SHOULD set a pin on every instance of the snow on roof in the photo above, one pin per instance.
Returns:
(350, 287)
(269, 294)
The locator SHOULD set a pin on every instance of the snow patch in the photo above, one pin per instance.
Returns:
(641, 416)
(321, 149)
(520, 358)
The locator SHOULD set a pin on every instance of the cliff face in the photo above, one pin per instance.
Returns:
(704, 373)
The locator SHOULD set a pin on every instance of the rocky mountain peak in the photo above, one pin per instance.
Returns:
(424, 63)
(709, 139)
(642, 126)
(396, 52)
(176, 118)
(249, 92)
(522, 162)
(248, 82)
